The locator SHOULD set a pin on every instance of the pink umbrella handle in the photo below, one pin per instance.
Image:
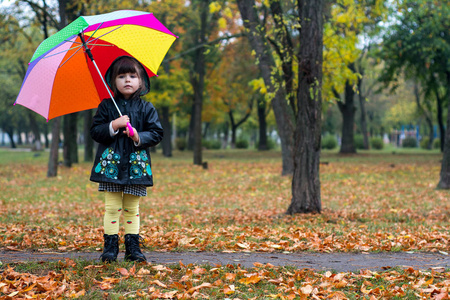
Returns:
(130, 129)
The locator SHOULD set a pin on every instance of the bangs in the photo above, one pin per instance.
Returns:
(126, 66)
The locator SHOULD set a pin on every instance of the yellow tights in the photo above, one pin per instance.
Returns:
(115, 202)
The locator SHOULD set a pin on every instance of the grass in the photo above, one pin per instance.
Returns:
(372, 201)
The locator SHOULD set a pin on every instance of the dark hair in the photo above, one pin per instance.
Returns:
(126, 64)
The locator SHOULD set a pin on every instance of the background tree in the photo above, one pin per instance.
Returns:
(349, 23)
(418, 43)
(257, 34)
(231, 87)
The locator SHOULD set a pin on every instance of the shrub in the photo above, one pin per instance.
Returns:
(424, 142)
(206, 144)
(377, 143)
(180, 143)
(409, 142)
(437, 143)
(329, 142)
(359, 141)
(270, 144)
(241, 144)
(212, 144)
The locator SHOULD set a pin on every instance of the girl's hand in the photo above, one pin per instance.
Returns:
(135, 136)
(120, 122)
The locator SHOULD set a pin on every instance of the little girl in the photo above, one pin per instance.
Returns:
(122, 164)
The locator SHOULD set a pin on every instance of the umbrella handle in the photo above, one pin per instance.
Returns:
(130, 129)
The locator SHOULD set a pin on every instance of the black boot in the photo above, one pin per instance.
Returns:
(111, 248)
(132, 250)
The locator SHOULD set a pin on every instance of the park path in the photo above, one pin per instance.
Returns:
(339, 262)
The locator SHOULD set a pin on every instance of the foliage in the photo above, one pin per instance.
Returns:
(90, 280)
(424, 142)
(347, 22)
(359, 141)
(409, 142)
(329, 141)
(212, 144)
(418, 43)
(377, 142)
(271, 144)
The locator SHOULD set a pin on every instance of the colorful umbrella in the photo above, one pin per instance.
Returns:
(61, 79)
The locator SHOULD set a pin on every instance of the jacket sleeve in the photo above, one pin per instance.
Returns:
(100, 125)
(153, 132)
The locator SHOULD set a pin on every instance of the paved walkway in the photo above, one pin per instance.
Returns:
(340, 262)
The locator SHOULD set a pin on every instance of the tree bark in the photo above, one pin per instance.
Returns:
(190, 141)
(54, 149)
(262, 146)
(37, 146)
(284, 114)
(10, 134)
(348, 110)
(70, 147)
(444, 181)
(362, 105)
(306, 181)
(198, 83)
(52, 170)
(427, 116)
(88, 141)
(440, 118)
(167, 139)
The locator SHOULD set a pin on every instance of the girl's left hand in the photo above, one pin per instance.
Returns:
(135, 136)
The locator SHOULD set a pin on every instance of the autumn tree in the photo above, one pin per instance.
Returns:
(348, 24)
(231, 90)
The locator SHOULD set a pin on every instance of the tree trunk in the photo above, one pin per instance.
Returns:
(428, 119)
(225, 136)
(54, 149)
(444, 182)
(306, 181)
(284, 114)
(47, 142)
(36, 133)
(348, 120)
(198, 83)
(88, 141)
(70, 147)
(362, 105)
(262, 146)
(167, 139)
(10, 134)
(440, 119)
(233, 137)
(190, 142)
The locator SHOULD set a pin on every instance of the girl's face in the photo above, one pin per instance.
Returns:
(127, 84)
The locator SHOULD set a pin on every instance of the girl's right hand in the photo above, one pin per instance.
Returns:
(120, 122)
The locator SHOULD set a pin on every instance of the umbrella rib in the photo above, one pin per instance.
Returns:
(96, 38)
(63, 51)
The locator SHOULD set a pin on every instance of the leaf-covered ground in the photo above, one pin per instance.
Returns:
(371, 202)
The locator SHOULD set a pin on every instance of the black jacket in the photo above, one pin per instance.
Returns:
(118, 160)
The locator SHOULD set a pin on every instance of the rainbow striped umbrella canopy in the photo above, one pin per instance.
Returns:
(61, 79)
